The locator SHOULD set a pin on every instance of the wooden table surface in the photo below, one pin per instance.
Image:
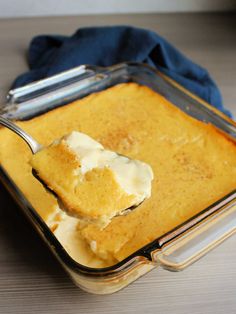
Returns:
(31, 281)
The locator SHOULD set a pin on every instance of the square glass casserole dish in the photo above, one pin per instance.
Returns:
(173, 251)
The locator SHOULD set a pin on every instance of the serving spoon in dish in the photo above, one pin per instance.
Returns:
(89, 182)
(30, 141)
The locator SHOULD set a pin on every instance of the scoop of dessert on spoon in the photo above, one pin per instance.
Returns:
(90, 182)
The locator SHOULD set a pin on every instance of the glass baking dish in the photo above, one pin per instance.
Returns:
(173, 251)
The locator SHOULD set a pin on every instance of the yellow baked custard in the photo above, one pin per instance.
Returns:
(194, 165)
(90, 182)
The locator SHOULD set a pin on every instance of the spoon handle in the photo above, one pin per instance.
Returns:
(34, 146)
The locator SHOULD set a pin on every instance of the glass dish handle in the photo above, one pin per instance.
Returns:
(55, 80)
(32, 99)
(200, 240)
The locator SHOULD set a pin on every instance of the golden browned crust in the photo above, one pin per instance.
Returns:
(194, 164)
(95, 196)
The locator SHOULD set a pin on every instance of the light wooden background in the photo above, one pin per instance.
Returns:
(31, 281)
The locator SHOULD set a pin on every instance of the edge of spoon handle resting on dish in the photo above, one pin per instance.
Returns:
(32, 143)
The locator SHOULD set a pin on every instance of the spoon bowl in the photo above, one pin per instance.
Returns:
(36, 147)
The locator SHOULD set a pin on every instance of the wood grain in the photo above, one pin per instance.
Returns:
(31, 281)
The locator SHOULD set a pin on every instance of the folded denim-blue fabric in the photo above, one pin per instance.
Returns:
(104, 46)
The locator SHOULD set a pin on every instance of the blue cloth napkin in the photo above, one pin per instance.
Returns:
(104, 46)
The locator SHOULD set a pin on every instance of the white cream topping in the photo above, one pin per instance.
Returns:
(132, 175)
(68, 235)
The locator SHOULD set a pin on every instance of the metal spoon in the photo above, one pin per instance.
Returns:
(35, 147)
(30, 141)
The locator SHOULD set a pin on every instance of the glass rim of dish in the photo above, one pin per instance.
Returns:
(145, 254)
